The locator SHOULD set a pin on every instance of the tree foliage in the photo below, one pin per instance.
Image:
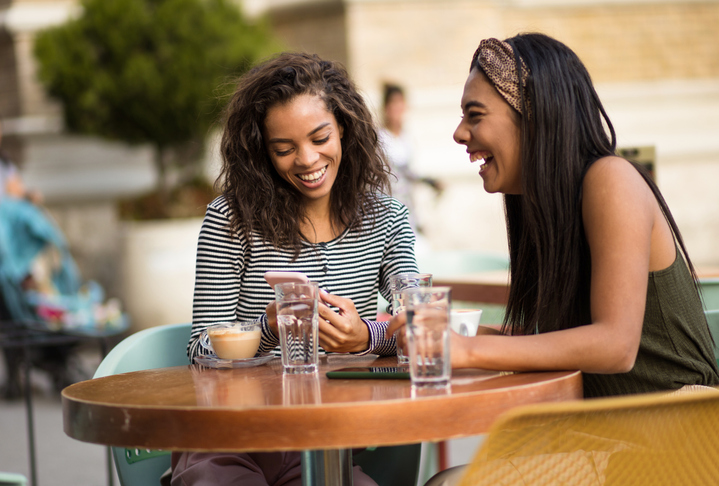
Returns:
(148, 71)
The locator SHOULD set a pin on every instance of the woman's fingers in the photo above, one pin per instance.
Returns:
(344, 331)
(395, 323)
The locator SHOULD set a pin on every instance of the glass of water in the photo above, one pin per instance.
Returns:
(398, 283)
(297, 322)
(428, 333)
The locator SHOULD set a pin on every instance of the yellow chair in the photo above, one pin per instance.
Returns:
(653, 440)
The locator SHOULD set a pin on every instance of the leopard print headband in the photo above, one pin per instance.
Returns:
(496, 58)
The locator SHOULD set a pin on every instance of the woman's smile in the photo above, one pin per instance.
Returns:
(303, 140)
(490, 130)
(313, 178)
(485, 157)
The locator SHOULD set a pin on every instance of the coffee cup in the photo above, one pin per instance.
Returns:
(465, 321)
(235, 340)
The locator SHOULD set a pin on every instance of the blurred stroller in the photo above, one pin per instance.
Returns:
(41, 294)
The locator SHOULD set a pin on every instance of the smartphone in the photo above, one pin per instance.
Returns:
(371, 372)
(274, 278)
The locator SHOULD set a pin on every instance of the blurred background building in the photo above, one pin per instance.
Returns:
(655, 64)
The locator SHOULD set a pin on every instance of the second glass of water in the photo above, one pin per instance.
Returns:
(428, 332)
(398, 283)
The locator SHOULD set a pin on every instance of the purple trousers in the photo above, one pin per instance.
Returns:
(246, 469)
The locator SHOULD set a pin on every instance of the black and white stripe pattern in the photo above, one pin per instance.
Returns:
(229, 276)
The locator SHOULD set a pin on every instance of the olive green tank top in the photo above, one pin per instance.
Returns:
(676, 347)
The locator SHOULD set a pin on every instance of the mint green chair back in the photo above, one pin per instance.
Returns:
(391, 466)
(156, 347)
(12, 479)
(713, 321)
(710, 293)
(458, 262)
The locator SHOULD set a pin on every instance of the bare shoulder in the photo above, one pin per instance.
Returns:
(615, 177)
(612, 168)
(616, 198)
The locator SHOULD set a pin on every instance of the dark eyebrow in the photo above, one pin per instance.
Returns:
(285, 140)
(473, 104)
(318, 129)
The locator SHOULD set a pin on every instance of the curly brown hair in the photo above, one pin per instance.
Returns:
(263, 202)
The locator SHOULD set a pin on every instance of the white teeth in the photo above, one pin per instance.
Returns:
(479, 156)
(314, 176)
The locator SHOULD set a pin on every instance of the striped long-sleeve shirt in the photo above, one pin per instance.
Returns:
(229, 275)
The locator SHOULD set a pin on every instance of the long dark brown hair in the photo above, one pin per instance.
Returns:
(565, 134)
(263, 202)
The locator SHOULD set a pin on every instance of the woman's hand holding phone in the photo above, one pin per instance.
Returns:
(342, 332)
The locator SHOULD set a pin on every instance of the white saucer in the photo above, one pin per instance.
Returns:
(215, 362)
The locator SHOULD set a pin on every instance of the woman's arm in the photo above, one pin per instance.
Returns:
(217, 277)
(627, 237)
(345, 331)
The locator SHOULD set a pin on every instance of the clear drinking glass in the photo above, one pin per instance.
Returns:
(428, 333)
(399, 283)
(297, 321)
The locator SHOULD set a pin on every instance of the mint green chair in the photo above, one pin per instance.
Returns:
(156, 347)
(713, 321)
(456, 262)
(12, 479)
(710, 293)
(448, 263)
(391, 466)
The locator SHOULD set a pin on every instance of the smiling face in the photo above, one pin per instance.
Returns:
(490, 130)
(303, 140)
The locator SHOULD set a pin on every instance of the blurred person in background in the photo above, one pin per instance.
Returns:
(40, 282)
(398, 148)
(11, 183)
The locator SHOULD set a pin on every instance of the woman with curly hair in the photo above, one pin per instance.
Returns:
(303, 183)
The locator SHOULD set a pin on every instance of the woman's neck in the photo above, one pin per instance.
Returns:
(318, 225)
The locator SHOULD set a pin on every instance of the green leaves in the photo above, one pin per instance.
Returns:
(147, 71)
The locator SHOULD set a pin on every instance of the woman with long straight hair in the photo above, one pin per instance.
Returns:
(600, 277)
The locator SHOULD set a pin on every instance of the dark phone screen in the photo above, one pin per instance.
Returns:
(371, 372)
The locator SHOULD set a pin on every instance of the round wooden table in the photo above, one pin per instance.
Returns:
(260, 409)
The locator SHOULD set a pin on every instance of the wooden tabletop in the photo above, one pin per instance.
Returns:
(260, 409)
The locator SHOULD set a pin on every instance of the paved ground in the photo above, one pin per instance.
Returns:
(60, 460)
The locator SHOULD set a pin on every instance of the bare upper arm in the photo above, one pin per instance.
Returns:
(621, 216)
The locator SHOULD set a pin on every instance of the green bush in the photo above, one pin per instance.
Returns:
(149, 71)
